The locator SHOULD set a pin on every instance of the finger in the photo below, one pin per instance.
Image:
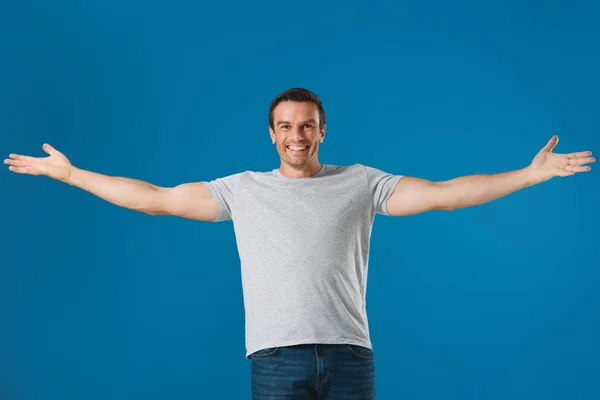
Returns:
(579, 154)
(22, 161)
(551, 143)
(18, 163)
(564, 172)
(20, 157)
(572, 168)
(19, 170)
(49, 149)
(581, 161)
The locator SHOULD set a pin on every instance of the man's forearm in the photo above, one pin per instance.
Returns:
(472, 190)
(124, 192)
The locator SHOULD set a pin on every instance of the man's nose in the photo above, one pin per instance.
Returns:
(297, 133)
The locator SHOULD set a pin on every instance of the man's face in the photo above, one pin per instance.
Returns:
(297, 126)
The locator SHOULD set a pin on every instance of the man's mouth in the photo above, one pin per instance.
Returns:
(297, 149)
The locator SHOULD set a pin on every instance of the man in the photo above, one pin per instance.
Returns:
(303, 234)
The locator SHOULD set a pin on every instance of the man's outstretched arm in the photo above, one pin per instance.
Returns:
(416, 195)
(190, 200)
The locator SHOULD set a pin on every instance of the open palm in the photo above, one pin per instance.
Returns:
(55, 166)
(547, 164)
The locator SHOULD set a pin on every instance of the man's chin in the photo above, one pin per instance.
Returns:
(296, 165)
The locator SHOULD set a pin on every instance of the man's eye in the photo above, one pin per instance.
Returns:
(307, 126)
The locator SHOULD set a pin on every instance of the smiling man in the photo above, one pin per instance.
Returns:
(297, 129)
(303, 233)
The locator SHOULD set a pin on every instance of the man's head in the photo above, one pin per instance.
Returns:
(297, 120)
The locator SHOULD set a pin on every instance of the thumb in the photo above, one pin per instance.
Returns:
(48, 149)
(551, 143)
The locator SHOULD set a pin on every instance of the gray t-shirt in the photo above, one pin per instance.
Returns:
(303, 245)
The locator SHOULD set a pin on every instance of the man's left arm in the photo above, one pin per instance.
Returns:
(416, 195)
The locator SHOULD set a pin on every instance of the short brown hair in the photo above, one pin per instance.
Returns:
(299, 95)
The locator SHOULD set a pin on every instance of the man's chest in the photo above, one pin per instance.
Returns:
(314, 215)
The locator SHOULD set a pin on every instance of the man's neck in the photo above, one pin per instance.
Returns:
(306, 172)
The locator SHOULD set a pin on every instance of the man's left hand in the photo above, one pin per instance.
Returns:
(547, 164)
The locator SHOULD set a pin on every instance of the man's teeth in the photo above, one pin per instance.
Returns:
(297, 148)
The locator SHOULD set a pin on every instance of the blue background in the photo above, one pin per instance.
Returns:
(498, 301)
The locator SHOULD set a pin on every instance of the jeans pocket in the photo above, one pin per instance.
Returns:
(360, 351)
(268, 352)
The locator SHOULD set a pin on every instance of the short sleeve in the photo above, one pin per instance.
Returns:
(223, 191)
(381, 185)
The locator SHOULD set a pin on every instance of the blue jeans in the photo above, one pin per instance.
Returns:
(313, 371)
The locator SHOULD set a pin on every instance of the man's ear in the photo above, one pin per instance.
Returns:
(272, 134)
(322, 133)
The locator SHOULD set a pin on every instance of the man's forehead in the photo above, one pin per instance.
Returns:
(294, 110)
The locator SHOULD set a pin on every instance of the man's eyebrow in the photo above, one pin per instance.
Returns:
(289, 123)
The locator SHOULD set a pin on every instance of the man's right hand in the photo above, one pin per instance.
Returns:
(56, 166)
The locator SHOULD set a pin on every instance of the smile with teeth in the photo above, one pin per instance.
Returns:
(297, 149)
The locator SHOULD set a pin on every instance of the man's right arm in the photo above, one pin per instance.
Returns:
(189, 200)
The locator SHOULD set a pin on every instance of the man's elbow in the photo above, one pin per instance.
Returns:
(444, 207)
(155, 212)
(446, 201)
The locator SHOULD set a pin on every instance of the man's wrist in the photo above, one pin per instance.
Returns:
(71, 175)
(532, 177)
